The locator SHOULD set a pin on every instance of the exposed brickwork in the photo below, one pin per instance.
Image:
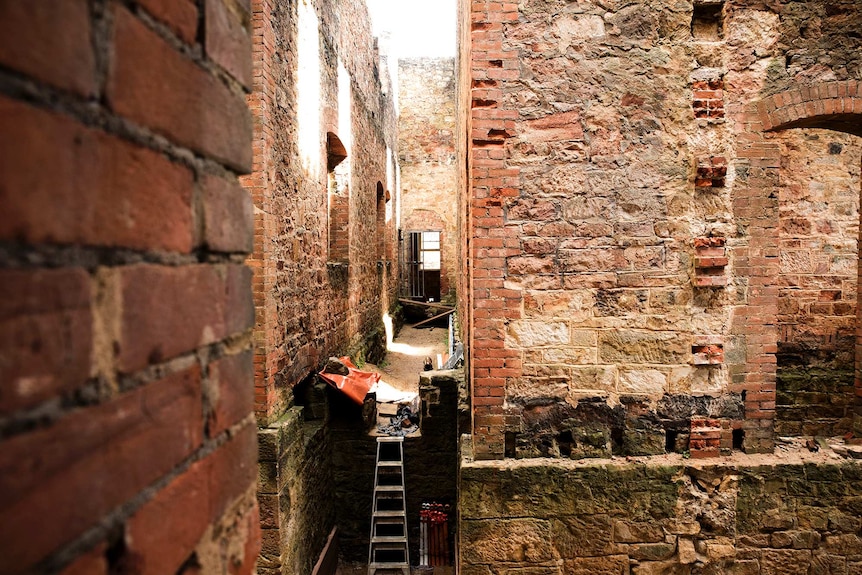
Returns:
(318, 288)
(825, 105)
(636, 254)
(710, 261)
(708, 99)
(127, 441)
(492, 182)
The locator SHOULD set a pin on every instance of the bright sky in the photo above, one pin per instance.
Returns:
(417, 27)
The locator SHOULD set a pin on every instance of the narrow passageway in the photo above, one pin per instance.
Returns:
(406, 353)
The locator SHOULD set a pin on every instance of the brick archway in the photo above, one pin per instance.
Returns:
(831, 105)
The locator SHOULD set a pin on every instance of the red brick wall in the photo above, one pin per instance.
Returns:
(491, 182)
(128, 443)
(309, 304)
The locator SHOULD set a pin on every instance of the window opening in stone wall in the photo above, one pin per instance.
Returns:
(338, 195)
(380, 224)
(706, 21)
(422, 265)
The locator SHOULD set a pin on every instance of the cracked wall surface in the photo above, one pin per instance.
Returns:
(796, 512)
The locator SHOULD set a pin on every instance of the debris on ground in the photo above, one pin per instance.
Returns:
(404, 422)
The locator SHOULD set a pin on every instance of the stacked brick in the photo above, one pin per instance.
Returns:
(492, 182)
(128, 442)
(710, 261)
(708, 99)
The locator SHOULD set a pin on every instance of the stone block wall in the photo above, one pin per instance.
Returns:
(627, 200)
(426, 151)
(751, 515)
(818, 219)
(127, 439)
(295, 483)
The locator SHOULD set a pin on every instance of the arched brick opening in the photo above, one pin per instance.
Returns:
(338, 193)
(831, 105)
(380, 222)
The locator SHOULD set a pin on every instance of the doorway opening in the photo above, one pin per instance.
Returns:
(421, 265)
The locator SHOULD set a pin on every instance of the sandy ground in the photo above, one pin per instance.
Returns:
(406, 356)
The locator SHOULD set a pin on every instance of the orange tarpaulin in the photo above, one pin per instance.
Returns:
(356, 384)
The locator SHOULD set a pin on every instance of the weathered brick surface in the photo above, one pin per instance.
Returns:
(231, 398)
(121, 446)
(198, 498)
(228, 216)
(172, 310)
(98, 191)
(228, 37)
(157, 87)
(310, 305)
(601, 157)
(181, 16)
(63, 57)
(321, 282)
(124, 327)
(45, 334)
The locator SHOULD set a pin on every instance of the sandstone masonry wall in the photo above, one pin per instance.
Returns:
(624, 220)
(426, 151)
(127, 436)
(768, 516)
(323, 261)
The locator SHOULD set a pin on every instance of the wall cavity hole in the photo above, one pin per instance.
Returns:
(670, 437)
(510, 443)
(564, 443)
(738, 438)
(617, 439)
(706, 22)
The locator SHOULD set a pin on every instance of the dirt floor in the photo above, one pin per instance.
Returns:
(406, 355)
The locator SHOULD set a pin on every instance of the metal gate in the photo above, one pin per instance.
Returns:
(410, 255)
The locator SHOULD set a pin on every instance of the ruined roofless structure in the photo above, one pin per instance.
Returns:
(648, 212)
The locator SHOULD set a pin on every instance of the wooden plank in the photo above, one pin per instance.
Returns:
(425, 304)
(327, 563)
(430, 319)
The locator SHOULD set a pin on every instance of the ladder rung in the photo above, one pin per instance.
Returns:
(389, 488)
(389, 514)
(390, 539)
(389, 464)
(390, 439)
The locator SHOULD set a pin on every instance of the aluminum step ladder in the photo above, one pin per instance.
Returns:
(387, 547)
